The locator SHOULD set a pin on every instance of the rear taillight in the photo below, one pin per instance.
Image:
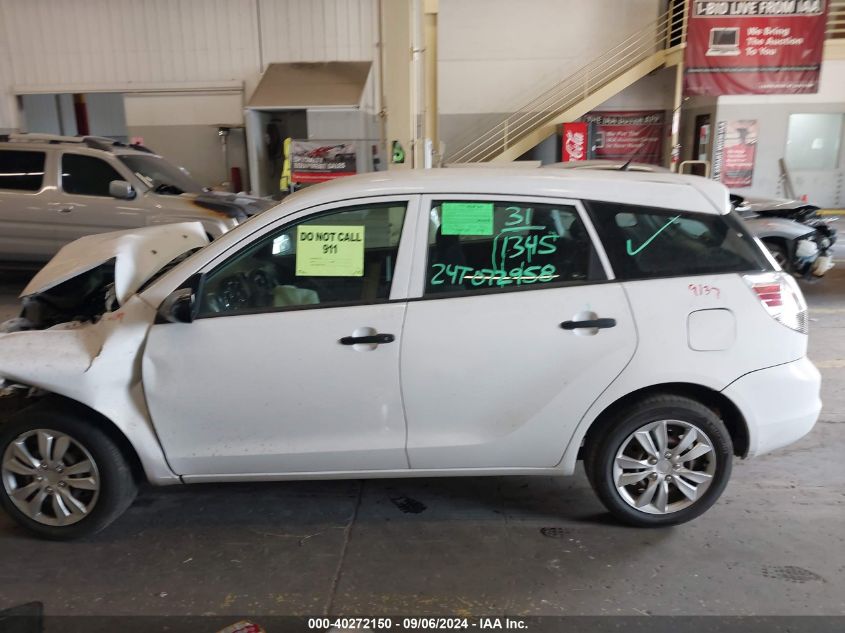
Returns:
(780, 295)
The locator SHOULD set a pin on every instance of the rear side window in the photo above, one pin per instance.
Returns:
(21, 171)
(484, 246)
(87, 175)
(644, 242)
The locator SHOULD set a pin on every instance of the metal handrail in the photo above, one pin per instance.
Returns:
(836, 20)
(667, 32)
(639, 45)
(623, 51)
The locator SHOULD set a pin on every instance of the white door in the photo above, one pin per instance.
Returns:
(292, 364)
(517, 331)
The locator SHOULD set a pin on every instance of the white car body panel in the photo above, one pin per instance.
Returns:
(277, 392)
(661, 308)
(138, 253)
(351, 417)
(781, 404)
(516, 398)
(100, 365)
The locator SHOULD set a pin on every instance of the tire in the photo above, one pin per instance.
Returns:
(780, 253)
(101, 492)
(614, 448)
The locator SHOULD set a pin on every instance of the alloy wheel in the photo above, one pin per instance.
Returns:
(664, 466)
(50, 477)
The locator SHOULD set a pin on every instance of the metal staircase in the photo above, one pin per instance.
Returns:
(658, 44)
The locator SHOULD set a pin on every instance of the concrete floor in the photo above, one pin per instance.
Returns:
(773, 545)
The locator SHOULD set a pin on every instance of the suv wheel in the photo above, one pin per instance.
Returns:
(662, 461)
(61, 478)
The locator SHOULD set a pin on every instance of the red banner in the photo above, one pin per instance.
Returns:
(754, 46)
(738, 153)
(628, 135)
(574, 142)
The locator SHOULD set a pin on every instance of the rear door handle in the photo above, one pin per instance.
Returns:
(65, 209)
(592, 323)
(363, 340)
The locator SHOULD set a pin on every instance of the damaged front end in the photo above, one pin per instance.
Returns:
(97, 274)
(82, 299)
(80, 302)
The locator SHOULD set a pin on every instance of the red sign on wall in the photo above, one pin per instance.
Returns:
(316, 162)
(574, 141)
(739, 150)
(628, 135)
(754, 46)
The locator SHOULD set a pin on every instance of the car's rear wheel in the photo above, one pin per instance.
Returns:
(62, 478)
(661, 461)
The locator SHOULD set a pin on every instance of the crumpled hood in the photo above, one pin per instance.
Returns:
(755, 204)
(137, 253)
(231, 204)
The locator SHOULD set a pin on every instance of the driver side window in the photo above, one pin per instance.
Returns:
(336, 258)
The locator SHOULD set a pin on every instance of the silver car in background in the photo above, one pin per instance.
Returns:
(56, 189)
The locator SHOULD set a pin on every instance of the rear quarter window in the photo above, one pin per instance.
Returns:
(645, 242)
(21, 170)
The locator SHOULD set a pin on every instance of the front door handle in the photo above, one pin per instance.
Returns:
(374, 339)
(65, 209)
(591, 323)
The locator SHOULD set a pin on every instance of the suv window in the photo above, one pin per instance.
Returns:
(22, 171)
(484, 246)
(342, 257)
(643, 242)
(87, 175)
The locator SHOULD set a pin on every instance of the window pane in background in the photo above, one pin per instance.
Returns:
(22, 171)
(86, 175)
(813, 141)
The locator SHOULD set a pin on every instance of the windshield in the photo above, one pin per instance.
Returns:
(161, 176)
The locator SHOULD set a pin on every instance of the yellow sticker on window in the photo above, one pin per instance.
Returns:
(329, 251)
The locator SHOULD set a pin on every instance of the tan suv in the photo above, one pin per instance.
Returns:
(55, 189)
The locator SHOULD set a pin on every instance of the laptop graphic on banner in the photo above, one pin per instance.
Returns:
(724, 41)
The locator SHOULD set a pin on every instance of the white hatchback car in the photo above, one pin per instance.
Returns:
(439, 323)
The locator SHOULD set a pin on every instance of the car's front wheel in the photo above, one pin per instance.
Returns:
(661, 461)
(62, 477)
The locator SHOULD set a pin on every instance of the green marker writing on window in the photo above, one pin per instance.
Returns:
(649, 240)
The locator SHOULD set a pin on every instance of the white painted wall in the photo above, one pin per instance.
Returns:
(825, 188)
(495, 55)
(652, 92)
(92, 45)
(166, 109)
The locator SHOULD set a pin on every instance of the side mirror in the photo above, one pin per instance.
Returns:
(121, 189)
(178, 307)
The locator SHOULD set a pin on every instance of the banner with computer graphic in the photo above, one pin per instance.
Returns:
(754, 46)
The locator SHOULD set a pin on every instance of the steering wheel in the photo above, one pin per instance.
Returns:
(233, 293)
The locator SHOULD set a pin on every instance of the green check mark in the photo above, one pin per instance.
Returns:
(649, 240)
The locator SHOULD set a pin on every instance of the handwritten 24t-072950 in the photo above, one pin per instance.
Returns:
(517, 240)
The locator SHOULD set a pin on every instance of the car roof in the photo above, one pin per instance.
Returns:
(665, 190)
(35, 141)
(606, 163)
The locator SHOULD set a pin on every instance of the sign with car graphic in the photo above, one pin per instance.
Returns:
(313, 162)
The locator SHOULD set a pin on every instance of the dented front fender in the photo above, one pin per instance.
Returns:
(98, 365)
